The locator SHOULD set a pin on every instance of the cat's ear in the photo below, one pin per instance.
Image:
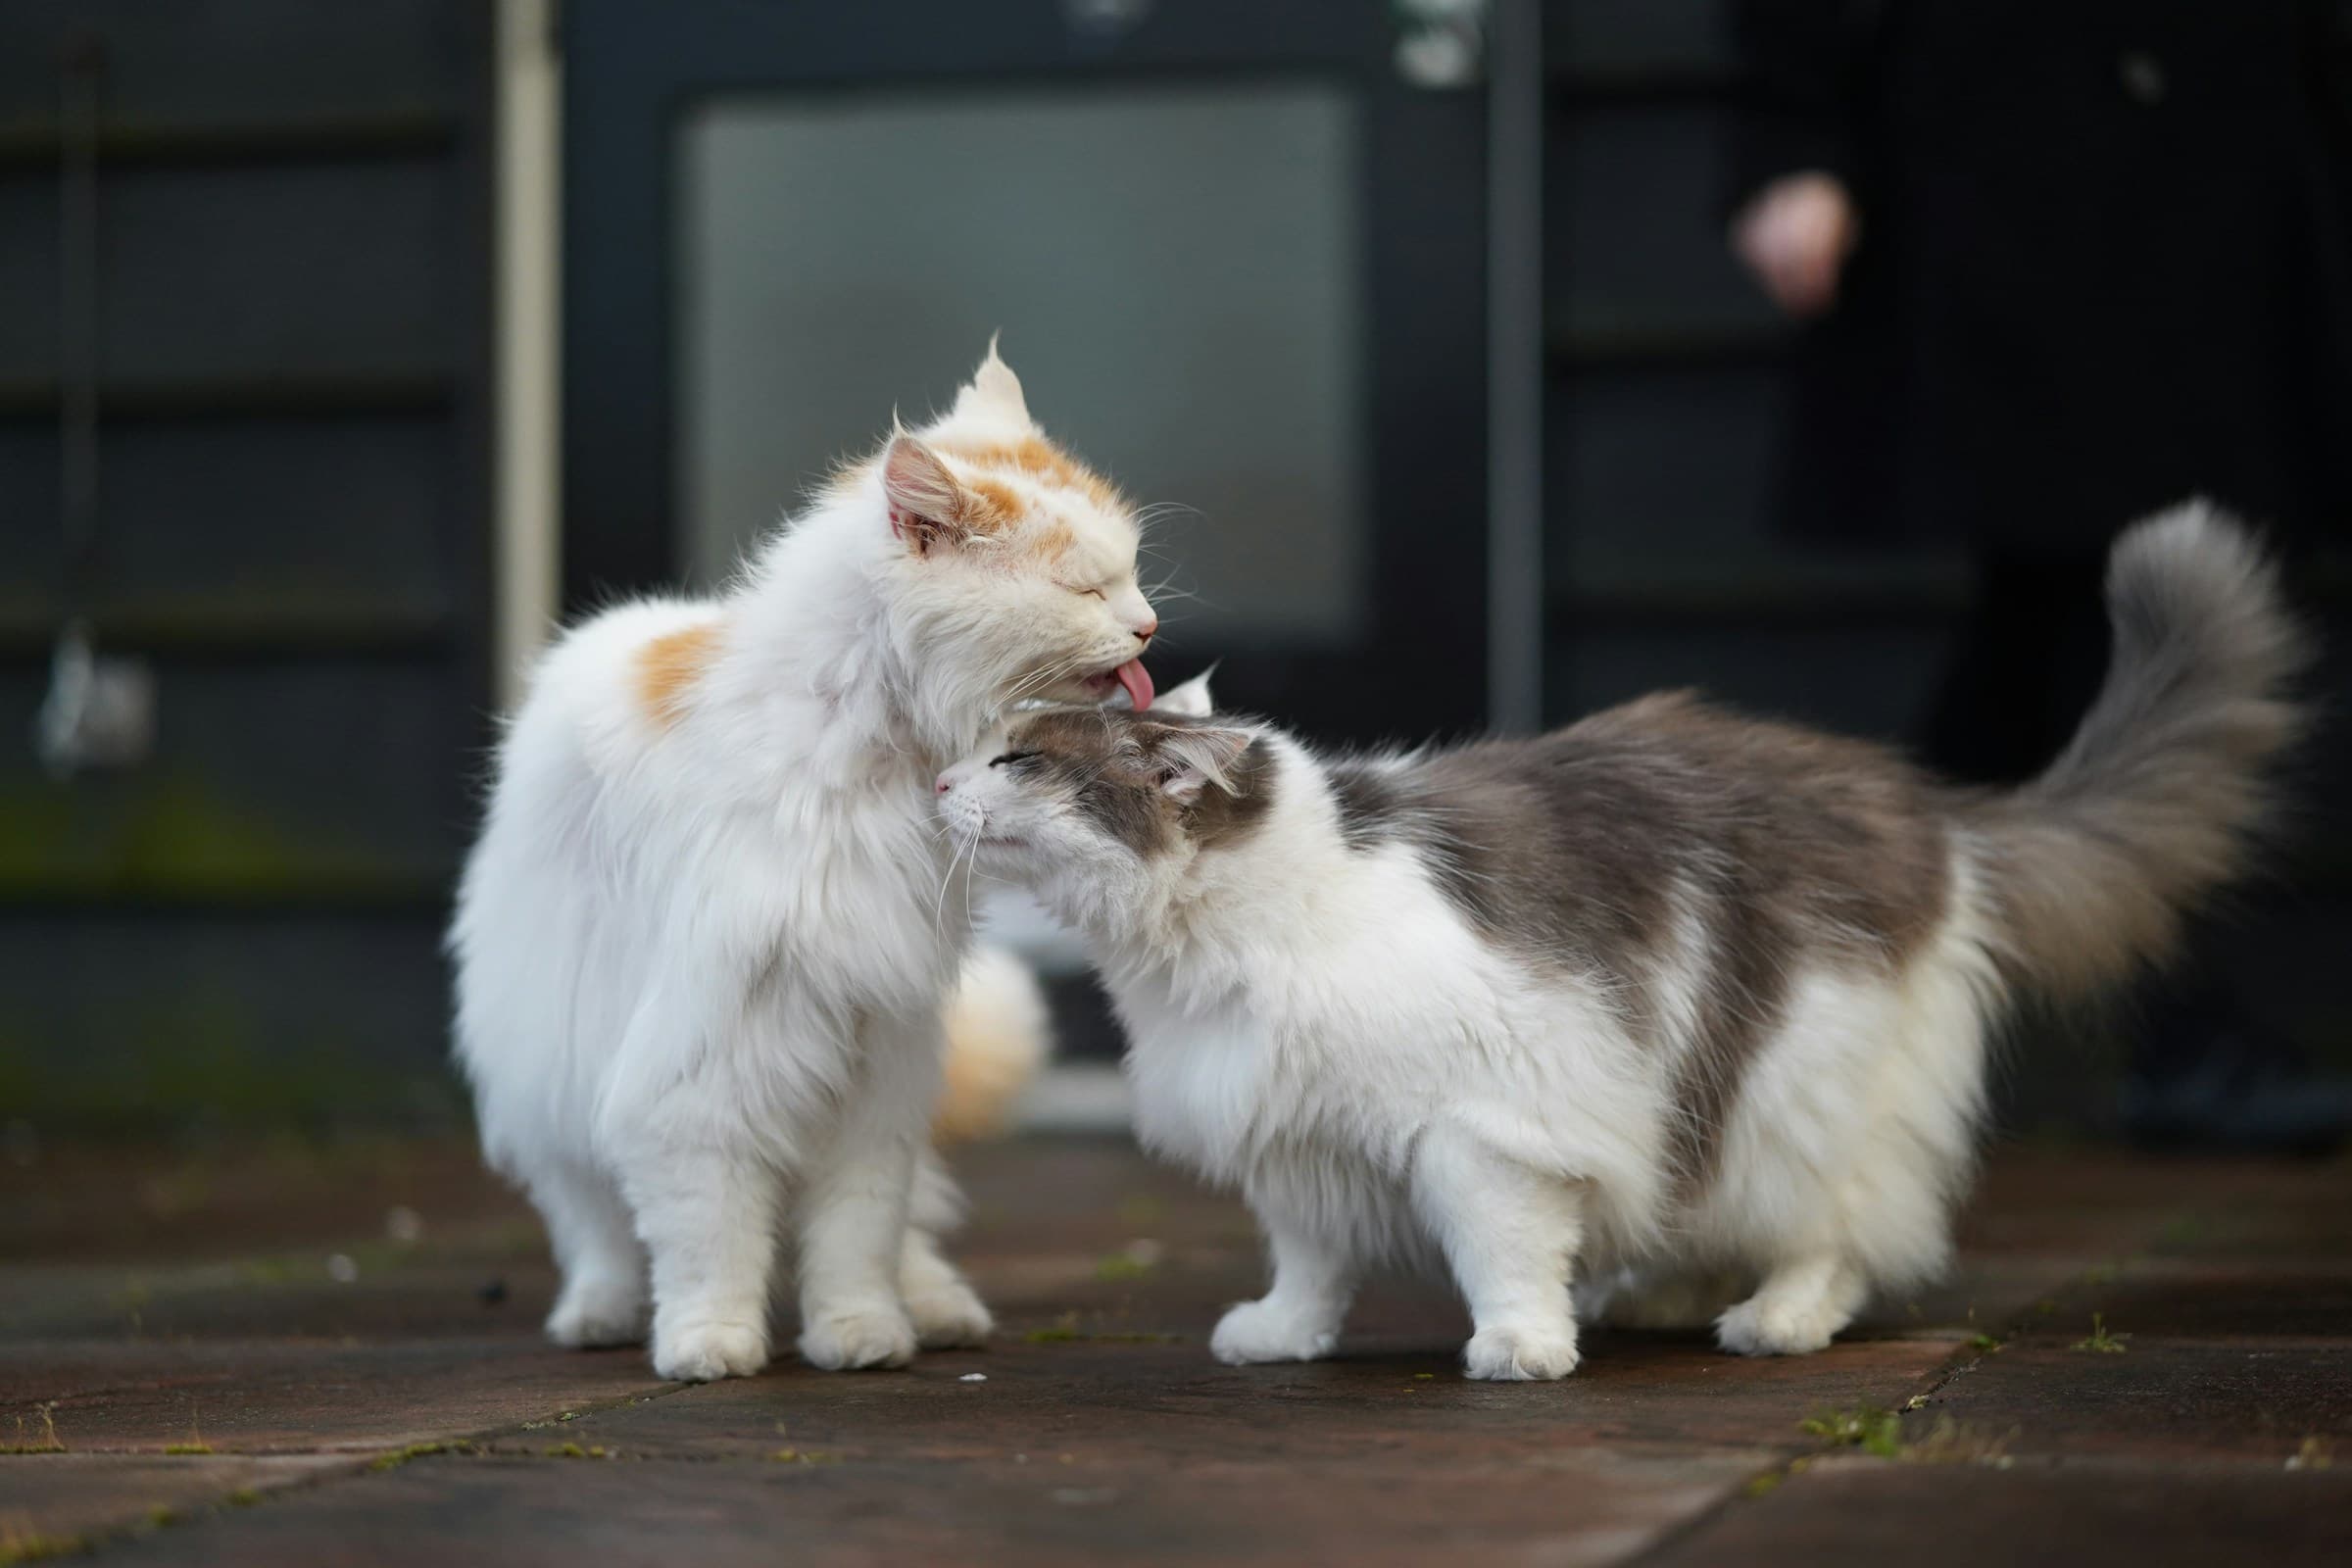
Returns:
(927, 507)
(993, 390)
(1190, 757)
(1189, 700)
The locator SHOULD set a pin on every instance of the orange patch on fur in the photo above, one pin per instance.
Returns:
(668, 664)
(994, 505)
(1039, 460)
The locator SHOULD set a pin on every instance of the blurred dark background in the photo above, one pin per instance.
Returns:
(344, 346)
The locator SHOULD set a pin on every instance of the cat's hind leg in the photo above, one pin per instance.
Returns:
(1671, 1299)
(1511, 1233)
(946, 1311)
(604, 1299)
(1801, 1305)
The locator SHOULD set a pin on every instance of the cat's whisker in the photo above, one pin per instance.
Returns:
(939, 906)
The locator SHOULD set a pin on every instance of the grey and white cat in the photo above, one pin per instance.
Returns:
(1666, 1000)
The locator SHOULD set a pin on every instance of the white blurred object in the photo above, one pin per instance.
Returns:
(1441, 43)
(100, 710)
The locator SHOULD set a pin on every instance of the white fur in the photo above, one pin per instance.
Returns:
(701, 955)
(1320, 1027)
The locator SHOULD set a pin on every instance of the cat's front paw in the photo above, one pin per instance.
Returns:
(1264, 1331)
(705, 1353)
(949, 1316)
(1758, 1327)
(1521, 1352)
(592, 1315)
(841, 1342)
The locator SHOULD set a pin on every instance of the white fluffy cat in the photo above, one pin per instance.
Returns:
(1664, 999)
(704, 942)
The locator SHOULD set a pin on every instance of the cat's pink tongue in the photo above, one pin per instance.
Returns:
(1138, 682)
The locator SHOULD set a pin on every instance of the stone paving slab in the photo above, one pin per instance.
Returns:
(2030, 1516)
(153, 1207)
(2290, 1298)
(424, 1298)
(1174, 1405)
(1579, 1508)
(2172, 1400)
(279, 1396)
(61, 1501)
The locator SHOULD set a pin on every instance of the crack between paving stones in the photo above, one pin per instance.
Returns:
(1958, 1365)
(348, 1466)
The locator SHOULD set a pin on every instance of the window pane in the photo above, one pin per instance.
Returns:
(1174, 269)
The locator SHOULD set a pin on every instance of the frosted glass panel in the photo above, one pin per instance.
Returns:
(1175, 271)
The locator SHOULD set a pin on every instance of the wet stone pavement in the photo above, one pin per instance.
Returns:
(316, 1357)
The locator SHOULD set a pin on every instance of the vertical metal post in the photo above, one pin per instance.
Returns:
(1515, 366)
(526, 518)
(78, 316)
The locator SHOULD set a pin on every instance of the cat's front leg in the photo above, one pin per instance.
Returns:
(708, 1216)
(854, 1211)
(1299, 1319)
(1511, 1233)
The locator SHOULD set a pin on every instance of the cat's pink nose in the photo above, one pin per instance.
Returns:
(943, 785)
(1144, 633)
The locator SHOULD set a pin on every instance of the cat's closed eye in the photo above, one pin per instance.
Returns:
(1091, 593)
(1010, 757)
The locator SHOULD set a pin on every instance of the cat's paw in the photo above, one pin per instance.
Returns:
(592, 1315)
(841, 1342)
(1521, 1352)
(949, 1316)
(705, 1353)
(1759, 1326)
(1262, 1331)
(588, 1326)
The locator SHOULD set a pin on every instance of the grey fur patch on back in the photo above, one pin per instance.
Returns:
(1371, 810)
(1588, 848)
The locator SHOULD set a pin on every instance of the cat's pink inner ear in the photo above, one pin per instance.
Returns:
(926, 504)
(1192, 757)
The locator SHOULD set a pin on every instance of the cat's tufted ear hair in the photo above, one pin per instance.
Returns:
(927, 507)
(1189, 757)
(993, 390)
(1189, 700)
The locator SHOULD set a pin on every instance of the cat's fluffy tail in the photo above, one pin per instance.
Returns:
(2169, 781)
(999, 1034)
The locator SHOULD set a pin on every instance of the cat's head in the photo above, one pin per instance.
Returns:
(1008, 567)
(1105, 812)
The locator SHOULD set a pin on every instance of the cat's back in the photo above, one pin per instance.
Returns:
(612, 685)
(1597, 837)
